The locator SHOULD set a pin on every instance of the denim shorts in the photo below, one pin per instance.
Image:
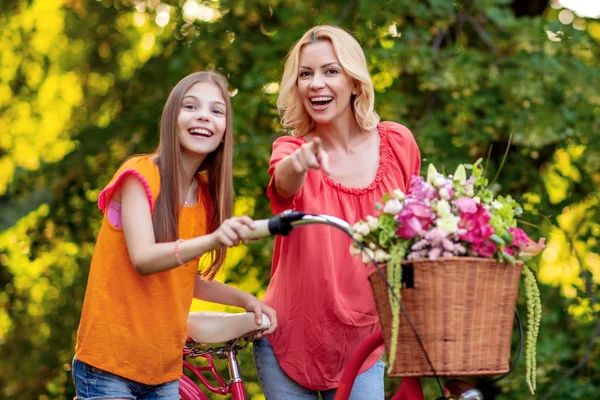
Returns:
(92, 383)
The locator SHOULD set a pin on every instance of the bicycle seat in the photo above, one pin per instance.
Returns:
(218, 327)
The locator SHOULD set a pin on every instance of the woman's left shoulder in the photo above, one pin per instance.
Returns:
(400, 146)
(394, 128)
(397, 133)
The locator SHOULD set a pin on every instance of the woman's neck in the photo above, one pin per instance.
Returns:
(339, 135)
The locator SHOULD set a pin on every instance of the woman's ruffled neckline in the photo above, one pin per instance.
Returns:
(385, 156)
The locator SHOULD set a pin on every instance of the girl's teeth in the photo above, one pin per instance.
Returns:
(201, 132)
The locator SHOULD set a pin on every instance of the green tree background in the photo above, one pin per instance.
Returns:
(82, 83)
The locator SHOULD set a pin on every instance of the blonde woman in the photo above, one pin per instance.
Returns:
(340, 160)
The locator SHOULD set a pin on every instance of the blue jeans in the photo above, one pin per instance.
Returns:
(277, 385)
(92, 383)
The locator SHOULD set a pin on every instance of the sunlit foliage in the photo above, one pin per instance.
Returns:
(83, 82)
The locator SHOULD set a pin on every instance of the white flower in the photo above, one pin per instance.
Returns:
(460, 174)
(367, 256)
(355, 251)
(392, 207)
(431, 173)
(443, 208)
(399, 194)
(362, 228)
(449, 223)
(381, 256)
(372, 222)
(496, 205)
(477, 199)
(469, 191)
(444, 194)
(439, 180)
(372, 246)
(357, 237)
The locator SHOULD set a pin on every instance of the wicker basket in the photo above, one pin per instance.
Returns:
(463, 310)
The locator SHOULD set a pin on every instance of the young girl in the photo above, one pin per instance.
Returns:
(340, 161)
(161, 212)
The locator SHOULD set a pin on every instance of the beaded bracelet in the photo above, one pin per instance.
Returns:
(176, 250)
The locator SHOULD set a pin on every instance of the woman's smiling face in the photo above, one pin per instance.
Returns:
(323, 85)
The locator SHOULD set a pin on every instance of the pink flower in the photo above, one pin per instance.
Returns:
(435, 253)
(477, 234)
(437, 243)
(466, 205)
(421, 190)
(487, 248)
(476, 225)
(520, 238)
(446, 192)
(477, 231)
(414, 218)
(525, 244)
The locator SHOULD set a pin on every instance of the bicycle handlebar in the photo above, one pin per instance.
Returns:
(262, 230)
(284, 223)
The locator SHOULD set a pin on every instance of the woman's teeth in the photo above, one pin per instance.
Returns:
(321, 101)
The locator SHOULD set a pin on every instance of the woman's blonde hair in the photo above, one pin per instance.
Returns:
(217, 166)
(352, 59)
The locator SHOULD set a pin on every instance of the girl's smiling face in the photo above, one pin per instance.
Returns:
(202, 119)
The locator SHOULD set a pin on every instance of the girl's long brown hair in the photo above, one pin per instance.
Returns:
(217, 166)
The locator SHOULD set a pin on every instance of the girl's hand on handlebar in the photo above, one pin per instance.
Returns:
(259, 308)
(233, 231)
(310, 156)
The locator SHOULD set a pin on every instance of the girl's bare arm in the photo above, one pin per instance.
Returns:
(217, 292)
(149, 257)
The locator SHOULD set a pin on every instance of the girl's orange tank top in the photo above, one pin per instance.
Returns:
(133, 325)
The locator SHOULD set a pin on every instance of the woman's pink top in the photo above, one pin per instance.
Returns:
(321, 293)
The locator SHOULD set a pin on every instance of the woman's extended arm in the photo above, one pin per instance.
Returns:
(290, 172)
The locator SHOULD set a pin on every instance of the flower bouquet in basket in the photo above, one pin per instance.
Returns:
(464, 253)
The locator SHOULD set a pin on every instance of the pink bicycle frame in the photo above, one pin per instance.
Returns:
(410, 388)
(189, 390)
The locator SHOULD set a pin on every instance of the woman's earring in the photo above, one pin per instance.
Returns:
(355, 92)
